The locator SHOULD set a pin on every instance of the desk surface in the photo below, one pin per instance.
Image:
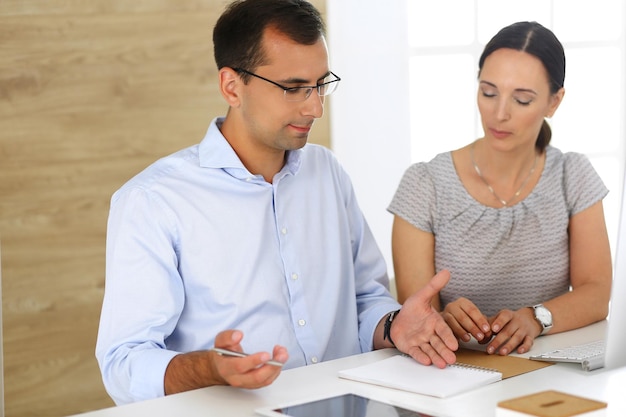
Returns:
(321, 380)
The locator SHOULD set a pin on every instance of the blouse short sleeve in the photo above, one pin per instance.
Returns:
(415, 198)
(583, 186)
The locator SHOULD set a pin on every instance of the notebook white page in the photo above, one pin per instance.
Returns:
(404, 373)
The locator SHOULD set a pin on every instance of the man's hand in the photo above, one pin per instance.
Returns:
(200, 369)
(420, 331)
(251, 371)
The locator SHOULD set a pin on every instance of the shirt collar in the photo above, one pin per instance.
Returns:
(216, 152)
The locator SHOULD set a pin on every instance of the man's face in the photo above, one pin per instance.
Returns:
(270, 120)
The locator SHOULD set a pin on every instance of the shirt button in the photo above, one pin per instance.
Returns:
(314, 359)
(283, 230)
(294, 276)
(301, 322)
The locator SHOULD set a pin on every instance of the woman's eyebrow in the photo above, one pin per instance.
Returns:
(526, 90)
(521, 90)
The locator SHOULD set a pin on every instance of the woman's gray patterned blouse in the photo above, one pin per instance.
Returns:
(500, 258)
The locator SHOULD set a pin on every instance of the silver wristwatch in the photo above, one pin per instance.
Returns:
(544, 317)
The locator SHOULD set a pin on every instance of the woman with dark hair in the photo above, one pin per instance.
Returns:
(519, 224)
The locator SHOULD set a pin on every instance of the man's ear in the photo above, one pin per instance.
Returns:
(229, 83)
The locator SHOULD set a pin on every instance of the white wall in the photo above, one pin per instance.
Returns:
(370, 120)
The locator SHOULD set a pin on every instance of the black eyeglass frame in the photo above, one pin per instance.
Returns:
(302, 87)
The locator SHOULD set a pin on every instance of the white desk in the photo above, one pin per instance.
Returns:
(321, 380)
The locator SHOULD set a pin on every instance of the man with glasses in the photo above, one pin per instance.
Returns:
(251, 241)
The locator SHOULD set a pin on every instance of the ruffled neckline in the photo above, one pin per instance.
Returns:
(538, 191)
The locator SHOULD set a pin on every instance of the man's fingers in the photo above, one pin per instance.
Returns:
(435, 285)
(445, 333)
(228, 338)
(439, 281)
(427, 354)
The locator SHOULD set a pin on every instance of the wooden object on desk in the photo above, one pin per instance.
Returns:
(550, 404)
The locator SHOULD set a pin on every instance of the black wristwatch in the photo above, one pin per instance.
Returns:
(387, 328)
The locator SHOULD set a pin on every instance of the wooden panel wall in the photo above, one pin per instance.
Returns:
(91, 92)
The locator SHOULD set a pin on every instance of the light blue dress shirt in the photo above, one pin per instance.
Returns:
(197, 244)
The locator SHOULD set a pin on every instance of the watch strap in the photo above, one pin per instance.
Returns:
(545, 327)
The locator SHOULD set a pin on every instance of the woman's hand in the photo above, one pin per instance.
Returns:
(505, 332)
(514, 331)
(466, 320)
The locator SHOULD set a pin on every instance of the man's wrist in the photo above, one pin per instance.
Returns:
(387, 328)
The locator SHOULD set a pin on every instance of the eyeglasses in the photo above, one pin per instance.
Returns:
(301, 93)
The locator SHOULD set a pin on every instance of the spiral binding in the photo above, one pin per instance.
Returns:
(467, 366)
(475, 367)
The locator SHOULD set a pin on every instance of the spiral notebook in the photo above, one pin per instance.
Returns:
(404, 373)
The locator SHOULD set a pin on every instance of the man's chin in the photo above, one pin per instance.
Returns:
(298, 144)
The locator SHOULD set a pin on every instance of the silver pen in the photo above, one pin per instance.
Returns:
(226, 352)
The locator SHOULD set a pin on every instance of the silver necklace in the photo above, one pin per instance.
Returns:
(505, 203)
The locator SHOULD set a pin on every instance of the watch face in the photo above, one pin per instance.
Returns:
(543, 315)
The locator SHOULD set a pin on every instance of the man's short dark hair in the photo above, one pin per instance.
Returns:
(238, 33)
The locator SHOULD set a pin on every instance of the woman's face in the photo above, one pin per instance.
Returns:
(514, 98)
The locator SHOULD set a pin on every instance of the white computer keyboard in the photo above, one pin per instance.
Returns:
(589, 355)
